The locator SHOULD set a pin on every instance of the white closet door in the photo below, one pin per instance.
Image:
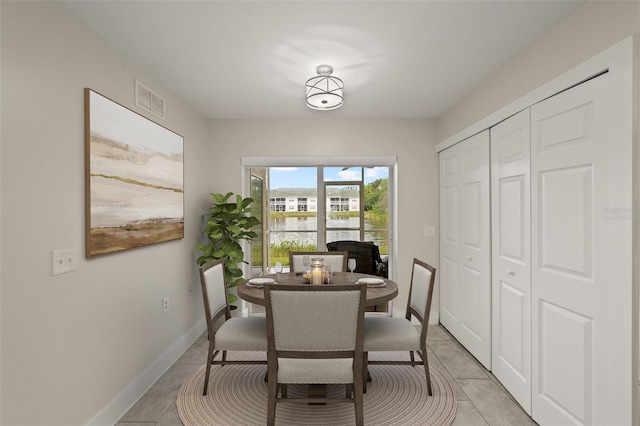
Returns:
(475, 271)
(581, 293)
(511, 266)
(449, 241)
(465, 286)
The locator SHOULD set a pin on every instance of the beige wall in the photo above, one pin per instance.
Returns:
(591, 29)
(72, 343)
(412, 141)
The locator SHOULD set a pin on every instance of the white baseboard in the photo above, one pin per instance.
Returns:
(110, 414)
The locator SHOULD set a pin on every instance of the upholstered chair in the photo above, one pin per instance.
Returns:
(398, 333)
(315, 337)
(234, 334)
(337, 259)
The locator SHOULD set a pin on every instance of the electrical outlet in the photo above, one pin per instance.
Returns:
(63, 261)
(165, 304)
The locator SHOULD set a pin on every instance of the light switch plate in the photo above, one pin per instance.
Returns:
(64, 261)
(429, 231)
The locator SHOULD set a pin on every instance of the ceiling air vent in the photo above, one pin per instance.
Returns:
(149, 100)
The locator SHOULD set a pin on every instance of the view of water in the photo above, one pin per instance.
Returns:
(303, 229)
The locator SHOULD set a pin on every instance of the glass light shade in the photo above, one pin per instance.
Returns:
(324, 92)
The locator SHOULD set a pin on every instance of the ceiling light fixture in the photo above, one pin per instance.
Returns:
(324, 92)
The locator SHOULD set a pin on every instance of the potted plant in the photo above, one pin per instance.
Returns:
(229, 221)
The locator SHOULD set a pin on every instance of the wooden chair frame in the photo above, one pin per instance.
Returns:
(354, 391)
(211, 319)
(412, 311)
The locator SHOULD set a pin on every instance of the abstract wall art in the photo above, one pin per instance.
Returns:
(134, 179)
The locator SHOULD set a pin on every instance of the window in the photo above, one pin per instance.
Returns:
(312, 205)
(277, 204)
(337, 204)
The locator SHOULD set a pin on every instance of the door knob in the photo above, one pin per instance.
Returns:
(510, 272)
(469, 258)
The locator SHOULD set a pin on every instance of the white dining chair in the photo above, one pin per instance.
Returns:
(383, 334)
(234, 334)
(315, 337)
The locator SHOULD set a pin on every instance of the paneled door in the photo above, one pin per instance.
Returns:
(511, 260)
(581, 293)
(465, 285)
(449, 171)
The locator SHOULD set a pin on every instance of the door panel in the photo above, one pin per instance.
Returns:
(581, 332)
(566, 386)
(471, 318)
(449, 252)
(566, 226)
(448, 292)
(566, 128)
(449, 225)
(512, 237)
(465, 293)
(449, 175)
(475, 330)
(564, 294)
(511, 259)
(512, 303)
(472, 227)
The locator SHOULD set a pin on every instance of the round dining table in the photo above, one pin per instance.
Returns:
(376, 294)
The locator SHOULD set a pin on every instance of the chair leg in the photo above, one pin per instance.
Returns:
(425, 362)
(348, 390)
(208, 372)
(283, 390)
(365, 371)
(224, 356)
(358, 399)
(271, 402)
(411, 355)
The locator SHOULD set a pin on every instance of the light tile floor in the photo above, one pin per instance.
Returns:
(482, 400)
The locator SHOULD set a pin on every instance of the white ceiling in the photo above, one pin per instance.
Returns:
(251, 59)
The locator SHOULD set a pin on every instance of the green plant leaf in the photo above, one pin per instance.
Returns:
(229, 221)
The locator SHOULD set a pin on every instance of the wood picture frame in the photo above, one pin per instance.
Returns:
(134, 178)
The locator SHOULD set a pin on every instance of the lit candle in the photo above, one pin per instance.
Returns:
(316, 271)
(316, 276)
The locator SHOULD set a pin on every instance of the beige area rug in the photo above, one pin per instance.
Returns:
(237, 395)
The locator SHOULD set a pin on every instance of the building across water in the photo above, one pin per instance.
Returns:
(346, 199)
